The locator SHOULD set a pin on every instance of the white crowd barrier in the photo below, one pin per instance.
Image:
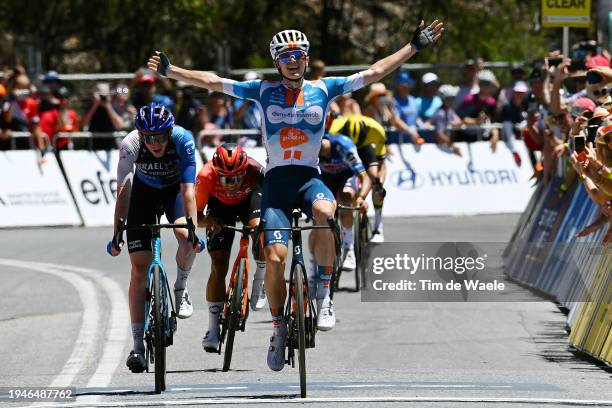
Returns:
(421, 181)
(33, 193)
(428, 180)
(92, 176)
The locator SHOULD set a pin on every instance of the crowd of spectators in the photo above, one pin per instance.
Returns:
(415, 109)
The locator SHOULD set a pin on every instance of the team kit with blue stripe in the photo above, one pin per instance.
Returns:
(292, 129)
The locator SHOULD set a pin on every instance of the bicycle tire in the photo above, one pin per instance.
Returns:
(357, 250)
(235, 314)
(301, 326)
(364, 237)
(159, 325)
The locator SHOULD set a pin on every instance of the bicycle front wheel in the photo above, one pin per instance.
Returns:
(357, 249)
(159, 331)
(299, 274)
(235, 313)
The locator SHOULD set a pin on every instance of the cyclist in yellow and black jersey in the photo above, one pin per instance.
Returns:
(369, 137)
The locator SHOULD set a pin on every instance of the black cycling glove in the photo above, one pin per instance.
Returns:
(422, 37)
(163, 65)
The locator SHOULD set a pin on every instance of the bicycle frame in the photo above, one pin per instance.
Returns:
(242, 254)
(156, 261)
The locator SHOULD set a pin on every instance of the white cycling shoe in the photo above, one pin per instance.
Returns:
(258, 295)
(326, 317)
(350, 263)
(183, 303)
(378, 236)
(210, 342)
(276, 351)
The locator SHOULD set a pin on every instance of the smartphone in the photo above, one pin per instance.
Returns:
(579, 143)
(593, 77)
(554, 61)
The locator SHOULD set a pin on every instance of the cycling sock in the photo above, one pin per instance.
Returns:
(181, 278)
(277, 321)
(137, 337)
(325, 273)
(377, 218)
(312, 270)
(347, 237)
(260, 272)
(214, 314)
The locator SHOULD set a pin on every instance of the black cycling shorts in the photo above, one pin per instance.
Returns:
(367, 154)
(145, 204)
(246, 211)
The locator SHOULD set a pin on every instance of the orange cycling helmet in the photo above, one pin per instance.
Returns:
(230, 160)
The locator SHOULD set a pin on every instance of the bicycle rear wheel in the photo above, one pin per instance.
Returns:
(298, 274)
(159, 331)
(235, 312)
(357, 249)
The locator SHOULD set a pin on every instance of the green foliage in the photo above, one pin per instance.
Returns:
(114, 35)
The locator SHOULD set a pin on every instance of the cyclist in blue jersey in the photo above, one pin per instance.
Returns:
(293, 114)
(341, 167)
(156, 173)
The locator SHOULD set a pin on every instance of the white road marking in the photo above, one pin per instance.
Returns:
(83, 346)
(267, 401)
(117, 331)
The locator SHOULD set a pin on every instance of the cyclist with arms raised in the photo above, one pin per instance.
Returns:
(229, 187)
(293, 111)
(156, 171)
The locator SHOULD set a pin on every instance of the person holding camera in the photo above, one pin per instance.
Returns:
(101, 117)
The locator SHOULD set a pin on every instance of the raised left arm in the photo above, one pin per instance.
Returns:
(422, 38)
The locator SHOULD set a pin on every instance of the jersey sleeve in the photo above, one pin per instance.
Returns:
(243, 90)
(351, 156)
(185, 148)
(128, 152)
(202, 188)
(337, 86)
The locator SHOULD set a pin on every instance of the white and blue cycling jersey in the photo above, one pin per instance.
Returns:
(293, 120)
(177, 165)
(344, 156)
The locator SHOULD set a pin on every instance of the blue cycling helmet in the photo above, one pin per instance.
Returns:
(154, 118)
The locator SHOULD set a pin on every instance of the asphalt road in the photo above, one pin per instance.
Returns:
(64, 322)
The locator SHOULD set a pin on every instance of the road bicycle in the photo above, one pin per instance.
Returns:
(160, 312)
(300, 313)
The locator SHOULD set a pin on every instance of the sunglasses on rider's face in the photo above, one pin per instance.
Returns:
(151, 138)
(285, 57)
(231, 180)
(602, 92)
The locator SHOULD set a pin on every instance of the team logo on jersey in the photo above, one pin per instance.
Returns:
(290, 137)
(312, 115)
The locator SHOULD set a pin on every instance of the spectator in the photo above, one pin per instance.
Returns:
(101, 117)
(317, 69)
(145, 91)
(50, 84)
(381, 108)
(469, 85)
(513, 118)
(190, 112)
(480, 109)
(219, 111)
(20, 113)
(446, 117)
(517, 73)
(346, 105)
(428, 104)
(60, 119)
(123, 105)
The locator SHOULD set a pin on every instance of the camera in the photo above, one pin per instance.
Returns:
(555, 61)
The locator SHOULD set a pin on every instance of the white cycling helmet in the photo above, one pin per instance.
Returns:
(288, 40)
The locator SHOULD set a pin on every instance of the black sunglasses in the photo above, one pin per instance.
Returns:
(160, 137)
(602, 92)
